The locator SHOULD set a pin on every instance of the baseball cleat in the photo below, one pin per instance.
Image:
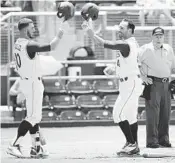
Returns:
(126, 144)
(43, 153)
(135, 151)
(15, 151)
(129, 149)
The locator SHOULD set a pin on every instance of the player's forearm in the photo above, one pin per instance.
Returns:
(97, 40)
(100, 41)
(114, 45)
(54, 43)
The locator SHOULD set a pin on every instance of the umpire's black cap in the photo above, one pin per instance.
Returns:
(158, 31)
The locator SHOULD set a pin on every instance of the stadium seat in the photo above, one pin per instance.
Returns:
(173, 103)
(54, 86)
(49, 115)
(79, 87)
(109, 101)
(72, 115)
(99, 115)
(63, 102)
(105, 86)
(173, 114)
(89, 102)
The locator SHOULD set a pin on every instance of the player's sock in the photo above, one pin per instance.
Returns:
(33, 140)
(42, 138)
(34, 131)
(125, 127)
(38, 145)
(23, 128)
(134, 129)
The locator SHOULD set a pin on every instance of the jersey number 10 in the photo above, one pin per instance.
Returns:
(18, 60)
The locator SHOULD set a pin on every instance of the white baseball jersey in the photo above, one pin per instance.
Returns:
(26, 67)
(128, 66)
(31, 84)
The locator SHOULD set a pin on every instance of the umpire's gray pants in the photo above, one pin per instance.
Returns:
(158, 110)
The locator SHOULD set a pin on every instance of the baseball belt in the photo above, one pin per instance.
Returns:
(126, 78)
(163, 80)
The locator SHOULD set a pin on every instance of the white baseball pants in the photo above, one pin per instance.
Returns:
(33, 92)
(126, 105)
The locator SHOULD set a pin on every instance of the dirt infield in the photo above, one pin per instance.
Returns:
(85, 145)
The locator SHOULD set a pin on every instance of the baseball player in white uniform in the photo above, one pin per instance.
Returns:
(16, 90)
(26, 56)
(130, 85)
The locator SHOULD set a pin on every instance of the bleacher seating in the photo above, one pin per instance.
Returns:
(173, 114)
(54, 86)
(105, 87)
(99, 115)
(89, 102)
(173, 103)
(72, 115)
(79, 87)
(109, 101)
(49, 115)
(62, 102)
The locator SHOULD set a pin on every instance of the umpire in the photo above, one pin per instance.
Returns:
(157, 61)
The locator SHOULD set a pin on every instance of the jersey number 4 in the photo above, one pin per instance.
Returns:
(18, 60)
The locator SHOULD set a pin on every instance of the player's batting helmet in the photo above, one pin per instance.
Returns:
(66, 10)
(90, 10)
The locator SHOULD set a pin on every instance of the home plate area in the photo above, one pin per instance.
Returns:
(86, 144)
